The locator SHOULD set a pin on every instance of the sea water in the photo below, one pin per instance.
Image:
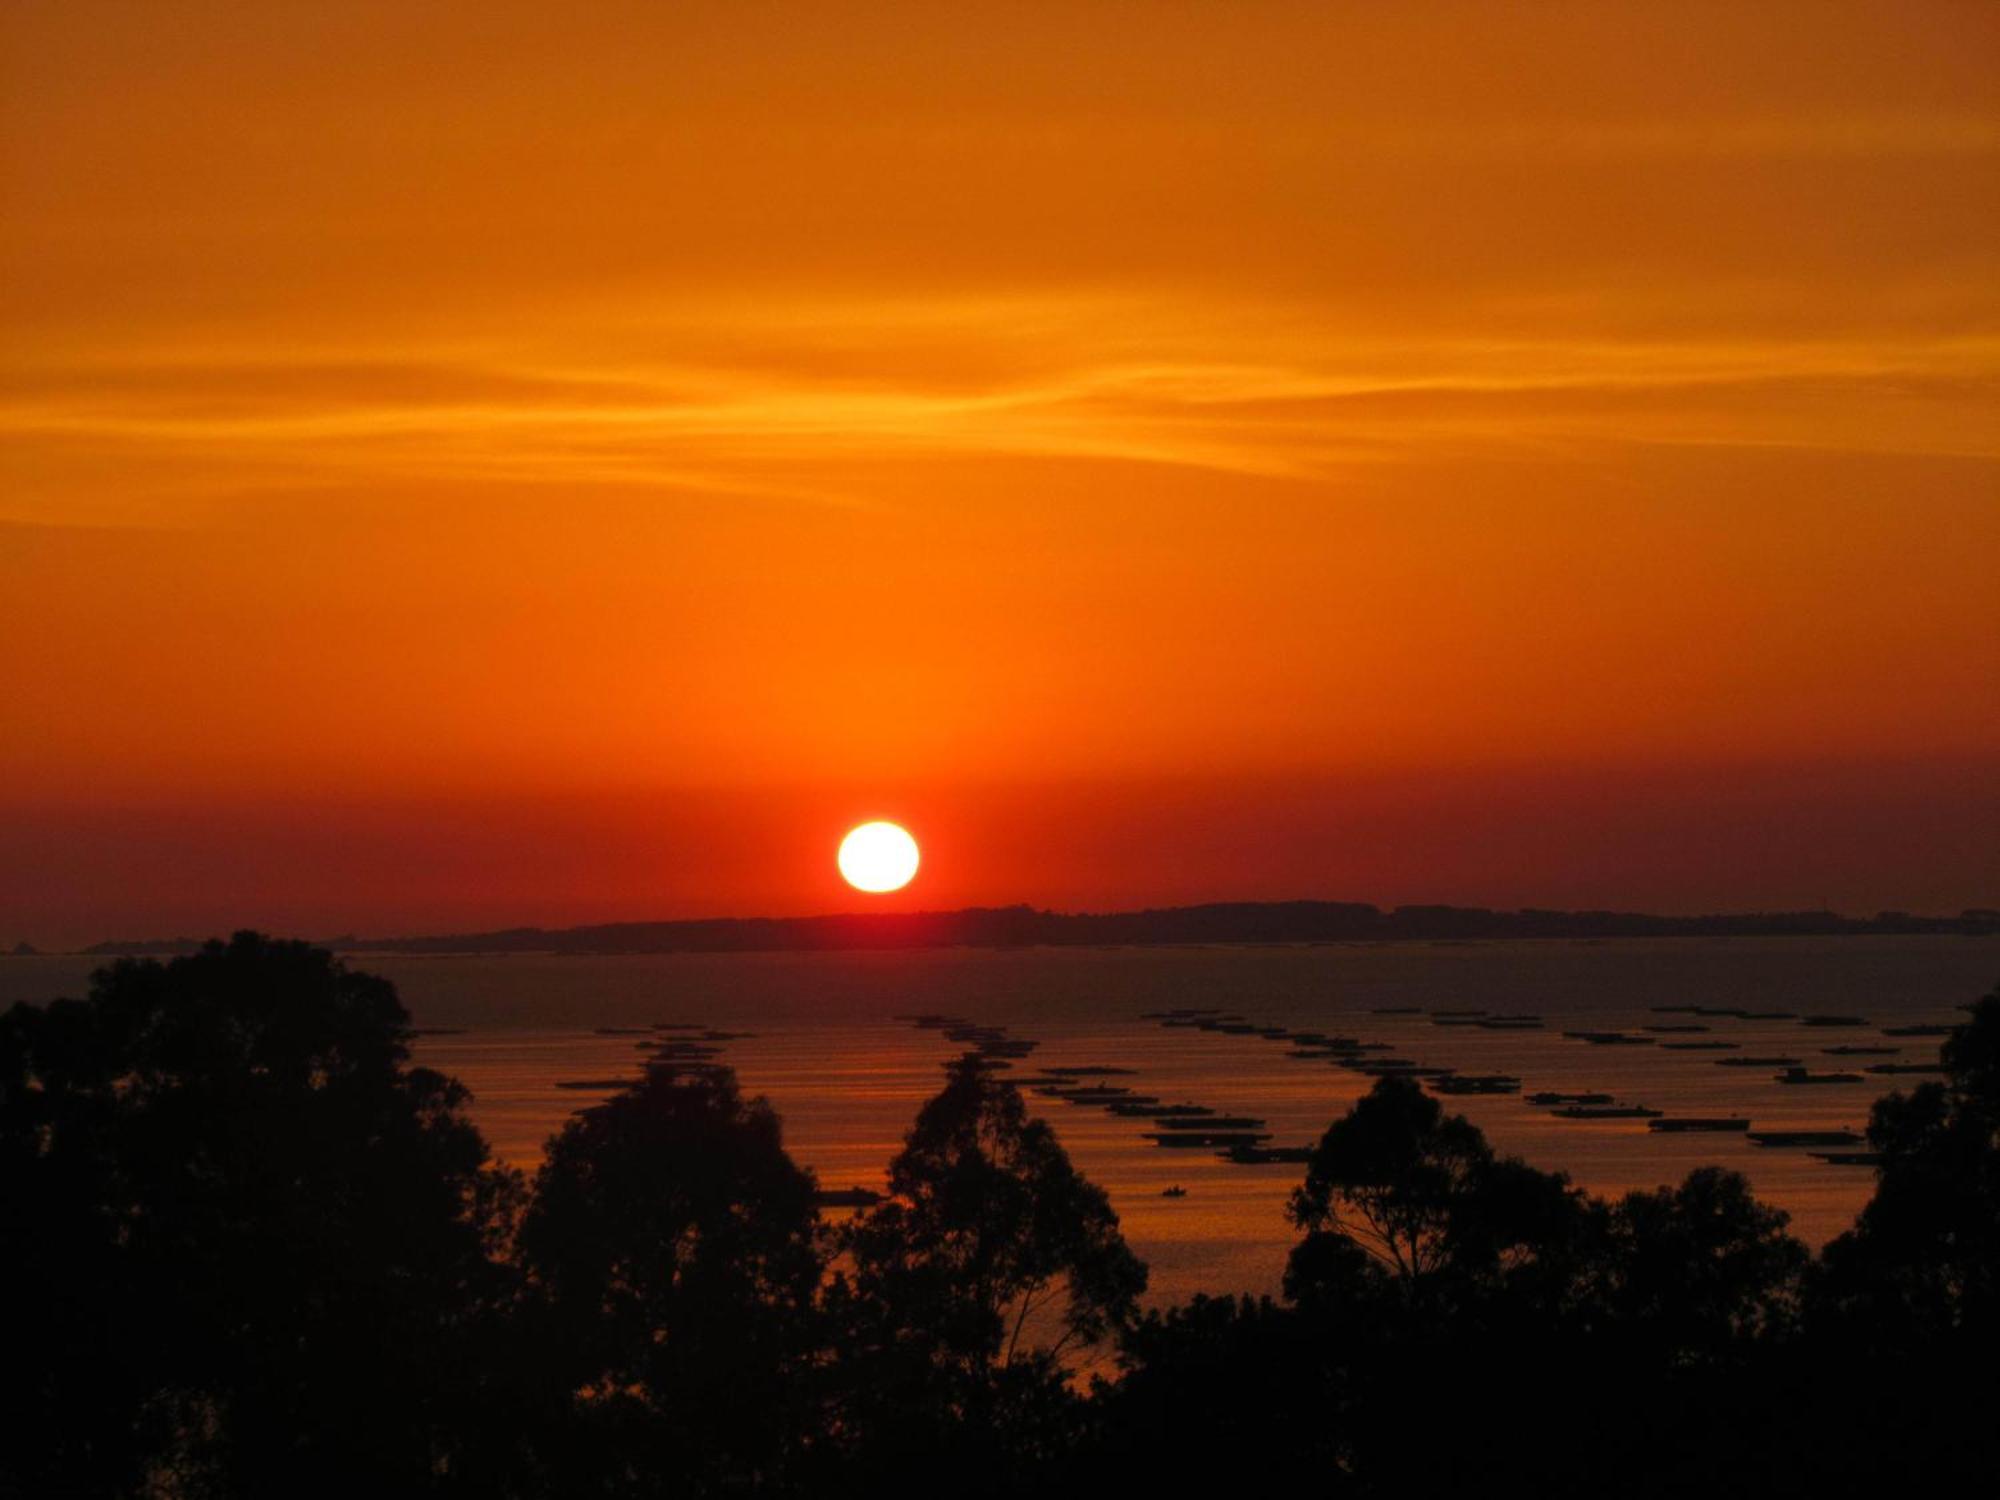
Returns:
(847, 1076)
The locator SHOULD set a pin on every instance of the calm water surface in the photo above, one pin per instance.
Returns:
(847, 1076)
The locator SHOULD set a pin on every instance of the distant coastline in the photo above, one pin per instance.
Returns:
(1244, 922)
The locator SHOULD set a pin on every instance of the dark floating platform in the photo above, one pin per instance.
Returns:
(851, 1197)
(1757, 1062)
(1266, 1156)
(1802, 1076)
(1784, 1138)
(1688, 1123)
(1152, 1109)
(1476, 1083)
(1547, 1097)
(1612, 1038)
(1607, 1112)
(1190, 1140)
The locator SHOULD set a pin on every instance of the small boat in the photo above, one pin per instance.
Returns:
(596, 1085)
(1934, 1069)
(1801, 1075)
(1849, 1158)
(1684, 1124)
(1860, 1051)
(1927, 1030)
(1833, 1020)
(1176, 1191)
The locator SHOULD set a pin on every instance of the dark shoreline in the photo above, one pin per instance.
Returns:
(1028, 927)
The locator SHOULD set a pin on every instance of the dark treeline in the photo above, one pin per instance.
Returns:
(1224, 922)
(249, 1250)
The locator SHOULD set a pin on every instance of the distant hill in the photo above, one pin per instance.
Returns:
(1228, 922)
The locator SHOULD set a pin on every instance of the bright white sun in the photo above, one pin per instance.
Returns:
(878, 857)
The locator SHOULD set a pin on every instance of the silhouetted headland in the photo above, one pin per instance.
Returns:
(1217, 922)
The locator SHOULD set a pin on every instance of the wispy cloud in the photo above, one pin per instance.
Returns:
(756, 411)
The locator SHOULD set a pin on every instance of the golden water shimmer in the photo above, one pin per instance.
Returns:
(847, 1076)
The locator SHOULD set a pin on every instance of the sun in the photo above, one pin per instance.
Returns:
(878, 857)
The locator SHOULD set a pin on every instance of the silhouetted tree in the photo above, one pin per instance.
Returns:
(989, 1259)
(1700, 1271)
(1235, 1394)
(1426, 1197)
(1924, 1257)
(674, 1242)
(250, 1249)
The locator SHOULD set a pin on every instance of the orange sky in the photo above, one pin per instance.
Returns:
(467, 465)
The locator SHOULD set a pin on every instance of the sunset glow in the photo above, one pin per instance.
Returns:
(462, 466)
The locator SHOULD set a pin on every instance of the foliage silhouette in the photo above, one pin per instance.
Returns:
(1923, 1259)
(988, 1234)
(674, 1246)
(254, 1248)
(1424, 1195)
